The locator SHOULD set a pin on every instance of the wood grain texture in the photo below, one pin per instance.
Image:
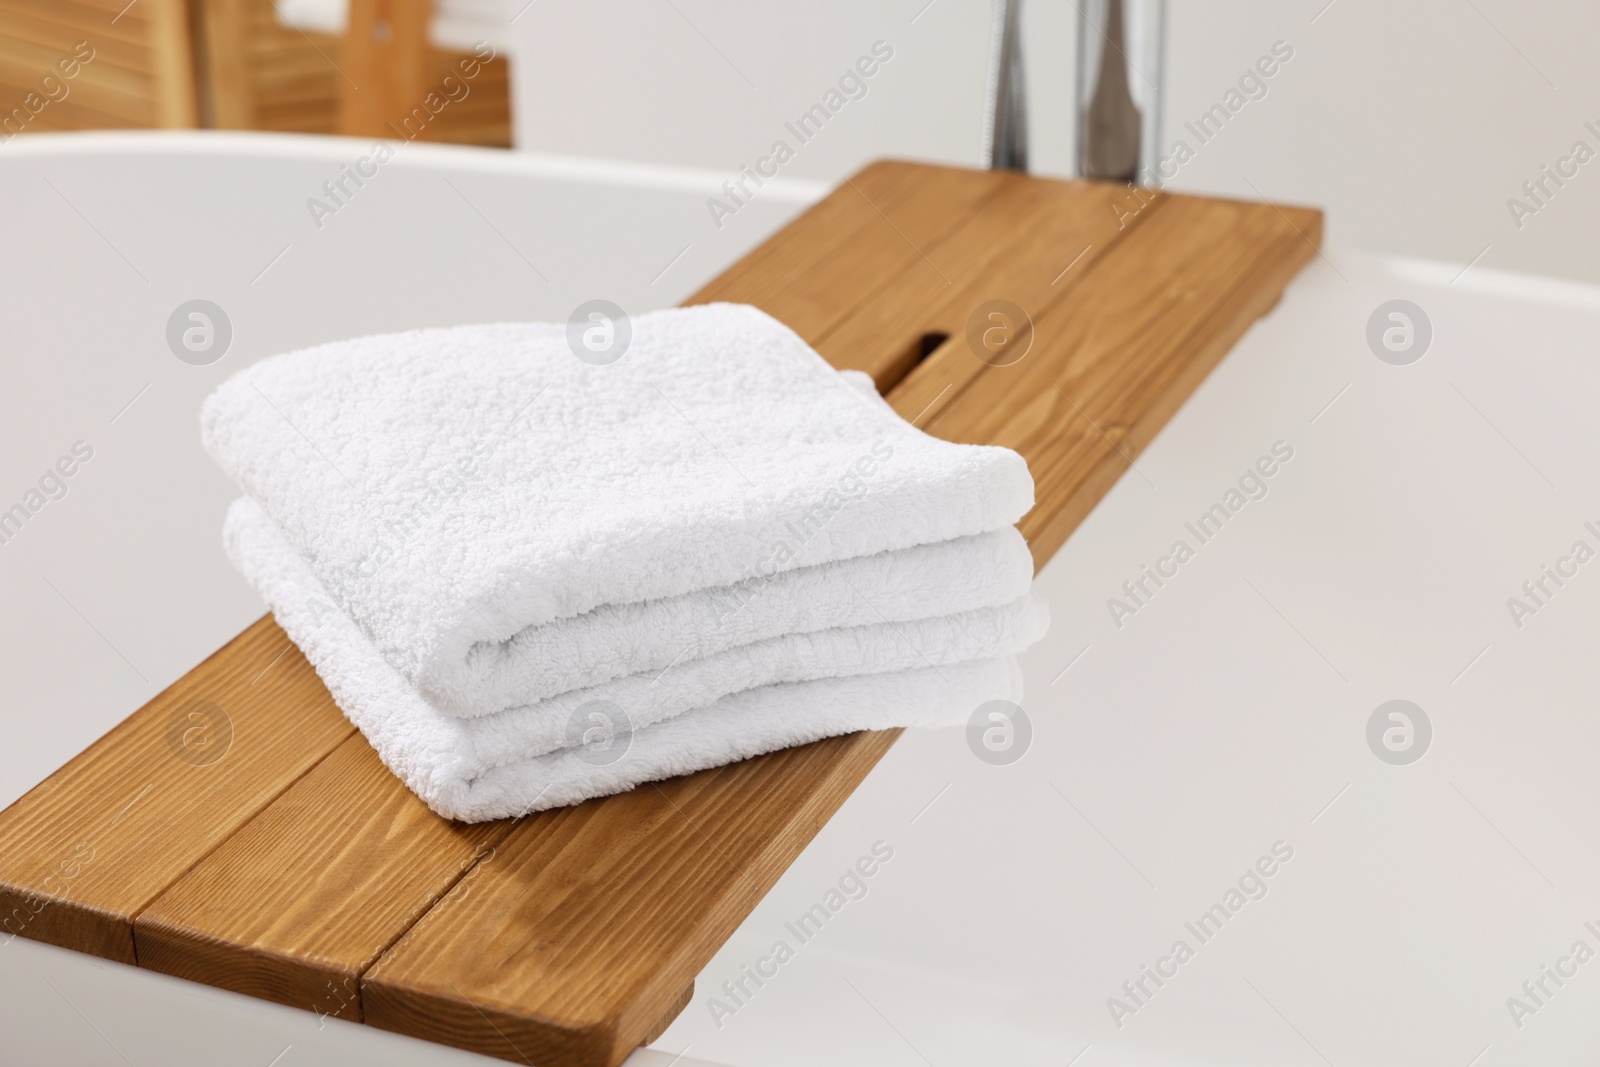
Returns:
(225, 64)
(886, 223)
(569, 937)
(1118, 352)
(297, 904)
(591, 920)
(85, 851)
(1027, 247)
(139, 73)
(225, 83)
(172, 65)
(386, 60)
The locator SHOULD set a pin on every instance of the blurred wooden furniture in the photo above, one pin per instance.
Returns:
(235, 64)
(258, 73)
(388, 60)
(141, 73)
(237, 831)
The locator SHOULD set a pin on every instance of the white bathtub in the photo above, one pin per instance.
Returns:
(119, 587)
(106, 234)
(1171, 751)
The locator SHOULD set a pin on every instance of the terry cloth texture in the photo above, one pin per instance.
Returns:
(457, 490)
(528, 759)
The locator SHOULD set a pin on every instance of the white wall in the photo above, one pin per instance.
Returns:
(711, 82)
(1411, 123)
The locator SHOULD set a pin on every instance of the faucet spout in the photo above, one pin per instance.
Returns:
(1114, 125)
(1006, 117)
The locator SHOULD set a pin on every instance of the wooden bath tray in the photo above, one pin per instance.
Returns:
(236, 831)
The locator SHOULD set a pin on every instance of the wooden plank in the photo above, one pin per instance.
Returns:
(116, 65)
(387, 59)
(85, 851)
(1119, 352)
(1028, 247)
(40, 38)
(888, 221)
(261, 74)
(298, 903)
(142, 73)
(233, 65)
(226, 66)
(34, 40)
(100, 12)
(531, 967)
(173, 66)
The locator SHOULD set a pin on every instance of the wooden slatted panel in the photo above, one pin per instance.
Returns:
(592, 920)
(386, 59)
(878, 228)
(1044, 229)
(241, 68)
(88, 849)
(302, 900)
(141, 73)
(582, 935)
(1115, 355)
(263, 75)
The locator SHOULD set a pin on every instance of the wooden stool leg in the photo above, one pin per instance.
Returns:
(172, 60)
(386, 58)
(226, 75)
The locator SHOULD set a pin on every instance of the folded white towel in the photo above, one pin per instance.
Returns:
(455, 491)
(493, 766)
(615, 640)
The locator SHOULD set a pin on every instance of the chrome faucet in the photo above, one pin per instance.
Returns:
(1118, 89)
(1007, 113)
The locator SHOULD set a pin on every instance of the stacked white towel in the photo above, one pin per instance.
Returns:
(530, 580)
